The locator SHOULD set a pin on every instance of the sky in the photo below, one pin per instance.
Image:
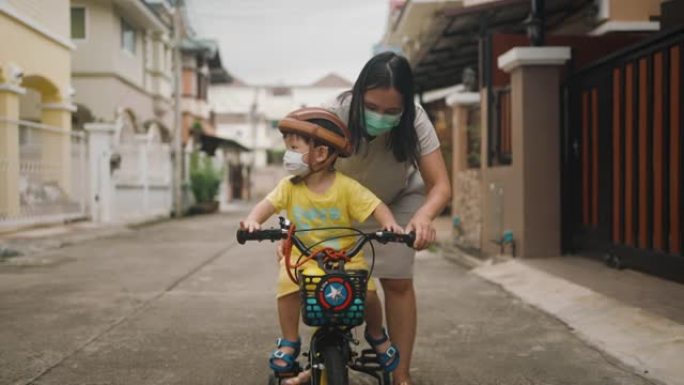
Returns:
(291, 41)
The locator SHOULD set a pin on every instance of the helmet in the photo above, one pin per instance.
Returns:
(298, 122)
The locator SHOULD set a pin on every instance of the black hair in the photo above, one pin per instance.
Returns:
(386, 70)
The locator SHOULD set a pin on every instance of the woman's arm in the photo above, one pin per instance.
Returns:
(259, 214)
(434, 173)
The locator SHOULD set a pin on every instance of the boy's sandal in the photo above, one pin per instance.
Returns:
(389, 360)
(289, 359)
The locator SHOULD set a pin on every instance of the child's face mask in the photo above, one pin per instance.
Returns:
(378, 124)
(293, 162)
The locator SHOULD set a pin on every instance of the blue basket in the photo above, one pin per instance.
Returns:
(334, 299)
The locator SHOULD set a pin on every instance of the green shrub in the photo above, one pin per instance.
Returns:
(204, 178)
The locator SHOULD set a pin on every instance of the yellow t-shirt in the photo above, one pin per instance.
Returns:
(346, 201)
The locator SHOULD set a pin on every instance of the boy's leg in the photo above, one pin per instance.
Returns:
(374, 322)
(288, 314)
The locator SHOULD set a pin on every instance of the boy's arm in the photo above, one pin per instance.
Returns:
(384, 216)
(259, 214)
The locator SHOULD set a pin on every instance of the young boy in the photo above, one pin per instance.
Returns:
(318, 196)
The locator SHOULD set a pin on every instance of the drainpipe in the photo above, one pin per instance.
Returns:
(535, 23)
(177, 116)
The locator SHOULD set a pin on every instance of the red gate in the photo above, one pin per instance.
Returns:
(622, 156)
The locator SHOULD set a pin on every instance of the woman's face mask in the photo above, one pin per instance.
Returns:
(378, 124)
(293, 162)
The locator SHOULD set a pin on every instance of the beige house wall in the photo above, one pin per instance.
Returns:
(118, 94)
(53, 15)
(108, 78)
(101, 51)
(37, 57)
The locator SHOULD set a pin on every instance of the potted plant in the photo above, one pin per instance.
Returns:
(205, 181)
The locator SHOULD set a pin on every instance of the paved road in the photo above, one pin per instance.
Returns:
(181, 303)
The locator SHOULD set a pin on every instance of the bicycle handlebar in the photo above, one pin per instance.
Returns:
(277, 234)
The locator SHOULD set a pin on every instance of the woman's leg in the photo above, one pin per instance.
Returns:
(374, 321)
(400, 308)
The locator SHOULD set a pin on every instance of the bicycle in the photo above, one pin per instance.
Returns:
(330, 354)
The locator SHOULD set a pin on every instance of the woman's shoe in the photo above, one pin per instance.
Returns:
(389, 360)
(290, 360)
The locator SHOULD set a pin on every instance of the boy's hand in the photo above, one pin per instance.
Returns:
(393, 227)
(250, 225)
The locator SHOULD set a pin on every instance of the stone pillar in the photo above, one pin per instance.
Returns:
(461, 104)
(535, 131)
(100, 145)
(9, 150)
(56, 144)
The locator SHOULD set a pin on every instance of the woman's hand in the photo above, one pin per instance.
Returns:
(250, 225)
(425, 232)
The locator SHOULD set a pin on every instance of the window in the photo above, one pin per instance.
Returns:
(127, 37)
(78, 23)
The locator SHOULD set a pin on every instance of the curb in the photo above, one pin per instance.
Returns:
(651, 345)
(18, 247)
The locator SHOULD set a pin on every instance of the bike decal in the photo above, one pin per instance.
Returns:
(335, 293)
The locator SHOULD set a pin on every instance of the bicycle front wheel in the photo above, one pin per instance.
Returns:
(335, 363)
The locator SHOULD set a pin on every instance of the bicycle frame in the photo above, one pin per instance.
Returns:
(334, 341)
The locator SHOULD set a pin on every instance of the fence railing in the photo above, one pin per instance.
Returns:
(501, 143)
(49, 175)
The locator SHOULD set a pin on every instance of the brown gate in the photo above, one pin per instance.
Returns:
(622, 156)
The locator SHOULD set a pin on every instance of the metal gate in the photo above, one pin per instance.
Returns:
(622, 159)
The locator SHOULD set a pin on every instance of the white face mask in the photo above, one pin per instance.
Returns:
(293, 162)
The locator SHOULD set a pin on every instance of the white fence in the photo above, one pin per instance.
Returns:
(143, 182)
(50, 176)
(133, 173)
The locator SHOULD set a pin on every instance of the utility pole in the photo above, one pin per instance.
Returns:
(178, 157)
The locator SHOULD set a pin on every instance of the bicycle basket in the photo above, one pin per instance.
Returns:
(333, 299)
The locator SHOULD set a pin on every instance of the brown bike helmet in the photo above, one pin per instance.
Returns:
(297, 122)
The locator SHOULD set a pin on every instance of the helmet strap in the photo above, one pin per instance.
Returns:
(325, 165)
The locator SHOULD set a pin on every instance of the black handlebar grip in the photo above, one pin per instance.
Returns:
(259, 235)
(243, 236)
(410, 238)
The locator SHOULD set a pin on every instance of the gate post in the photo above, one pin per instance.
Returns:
(100, 145)
(535, 131)
(9, 150)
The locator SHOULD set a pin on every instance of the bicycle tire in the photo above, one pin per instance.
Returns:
(335, 372)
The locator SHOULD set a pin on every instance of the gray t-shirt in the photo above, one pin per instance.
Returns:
(374, 165)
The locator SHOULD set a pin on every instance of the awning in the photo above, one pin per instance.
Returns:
(451, 49)
(211, 142)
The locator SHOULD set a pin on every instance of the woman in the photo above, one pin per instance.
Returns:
(397, 157)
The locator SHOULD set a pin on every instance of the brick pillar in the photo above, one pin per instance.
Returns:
(535, 130)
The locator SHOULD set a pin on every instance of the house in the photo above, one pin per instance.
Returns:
(39, 153)
(249, 113)
(123, 62)
(566, 134)
(202, 67)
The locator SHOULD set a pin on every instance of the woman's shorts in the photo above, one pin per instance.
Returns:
(395, 260)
